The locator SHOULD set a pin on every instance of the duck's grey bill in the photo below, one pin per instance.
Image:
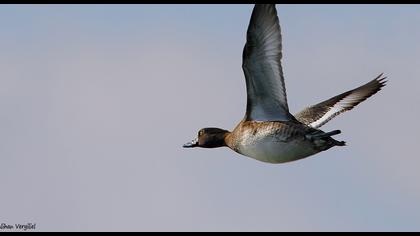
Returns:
(191, 144)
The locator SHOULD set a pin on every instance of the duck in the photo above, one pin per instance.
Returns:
(269, 132)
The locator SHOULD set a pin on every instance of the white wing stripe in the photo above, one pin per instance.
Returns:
(344, 104)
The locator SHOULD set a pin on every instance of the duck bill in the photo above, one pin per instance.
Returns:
(191, 144)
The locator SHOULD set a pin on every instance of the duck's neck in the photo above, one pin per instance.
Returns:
(227, 137)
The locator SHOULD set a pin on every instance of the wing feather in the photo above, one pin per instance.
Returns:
(319, 114)
(266, 93)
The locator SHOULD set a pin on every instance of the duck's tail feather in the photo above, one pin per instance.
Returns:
(339, 143)
(326, 138)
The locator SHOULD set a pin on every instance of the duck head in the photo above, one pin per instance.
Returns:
(209, 138)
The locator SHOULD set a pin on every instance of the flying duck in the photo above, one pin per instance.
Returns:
(268, 132)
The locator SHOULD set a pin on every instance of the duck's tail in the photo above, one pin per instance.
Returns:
(324, 139)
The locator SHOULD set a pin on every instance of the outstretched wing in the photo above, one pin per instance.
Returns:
(266, 93)
(319, 114)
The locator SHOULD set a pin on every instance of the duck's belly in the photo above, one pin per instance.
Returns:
(274, 151)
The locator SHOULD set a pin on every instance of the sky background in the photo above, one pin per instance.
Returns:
(96, 102)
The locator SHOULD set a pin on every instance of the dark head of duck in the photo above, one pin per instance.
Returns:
(209, 138)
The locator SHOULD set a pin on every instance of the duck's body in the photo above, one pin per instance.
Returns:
(277, 142)
(268, 132)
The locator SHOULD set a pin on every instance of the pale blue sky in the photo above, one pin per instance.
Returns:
(96, 102)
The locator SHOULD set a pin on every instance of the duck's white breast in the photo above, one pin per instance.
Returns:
(275, 149)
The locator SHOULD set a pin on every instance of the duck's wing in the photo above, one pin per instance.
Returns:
(319, 114)
(266, 93)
